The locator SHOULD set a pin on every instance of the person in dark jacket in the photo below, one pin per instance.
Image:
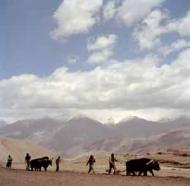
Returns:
(57, 162)
(27, 161)
(91, 161)
(9, 161)
(112, 165)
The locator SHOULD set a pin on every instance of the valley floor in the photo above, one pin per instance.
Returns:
(25, 178)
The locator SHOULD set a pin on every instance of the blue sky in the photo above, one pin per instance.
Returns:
(41, 39)
(26, 45)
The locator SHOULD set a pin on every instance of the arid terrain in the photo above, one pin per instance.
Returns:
(80, 137)
(175, 170)
(24, 178)
(19, 148)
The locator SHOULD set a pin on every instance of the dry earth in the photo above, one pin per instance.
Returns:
(25, 178)
(174, 172)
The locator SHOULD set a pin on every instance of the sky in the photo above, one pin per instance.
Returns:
(105, 59)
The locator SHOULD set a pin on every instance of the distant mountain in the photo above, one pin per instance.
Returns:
(140, 128)
(38, 131)
(78, 131)
(178, 140)
(82, 134)
(136, 127)
(177, 123)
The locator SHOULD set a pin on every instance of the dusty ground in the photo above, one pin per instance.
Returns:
(24, 178)
(175, 171)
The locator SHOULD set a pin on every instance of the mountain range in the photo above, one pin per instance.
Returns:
(81, 135)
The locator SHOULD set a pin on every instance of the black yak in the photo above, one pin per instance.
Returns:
(142, 165)
(37, 164)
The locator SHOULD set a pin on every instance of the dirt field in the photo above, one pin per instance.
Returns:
(175, 171)
(25, 178)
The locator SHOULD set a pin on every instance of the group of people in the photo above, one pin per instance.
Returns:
(27, 161)
(91, 161)
(112, 166)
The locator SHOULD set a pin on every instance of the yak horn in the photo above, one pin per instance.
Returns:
(151, 161)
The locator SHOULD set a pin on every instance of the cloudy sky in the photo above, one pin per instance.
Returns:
(107, 59)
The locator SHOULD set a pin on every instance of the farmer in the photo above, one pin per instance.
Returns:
(91, 162)
(27, 161)
(57, 162)
(112, 161)
(9, 161)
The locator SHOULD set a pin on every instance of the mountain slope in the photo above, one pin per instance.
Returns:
(18, 149)
(82, 134)
(141, 128)
(38, 131)
(78, 131)
(178, 139)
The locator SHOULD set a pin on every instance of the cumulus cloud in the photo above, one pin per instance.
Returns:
(133, 86)
(148, 32)
(131, 12)
(99, 57)
(181, 26)
(109, 10)
(76, 16)
(175, 47)
(101, 48)
(101, 42)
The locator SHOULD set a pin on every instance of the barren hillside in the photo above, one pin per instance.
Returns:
(18, 150)
(81, 135)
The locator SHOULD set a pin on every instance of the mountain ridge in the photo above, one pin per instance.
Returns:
(77, 134)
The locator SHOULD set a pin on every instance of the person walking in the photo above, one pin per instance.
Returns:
(112, 165)
(57, 162)
(91, 163)
(9, 161)
(27, 161)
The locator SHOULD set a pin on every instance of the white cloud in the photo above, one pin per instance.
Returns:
(101, 42)
(76, 16)
(175, 47)
(99, 57)
(109, 10)
(148, 32)
(131, 12)
(101, 48)
(181, 26)
(132, 86)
